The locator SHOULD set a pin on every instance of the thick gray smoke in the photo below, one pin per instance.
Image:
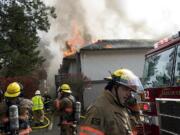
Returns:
(108, 19)
(69, 13)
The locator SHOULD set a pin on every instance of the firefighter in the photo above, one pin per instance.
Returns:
(38, 108)
(22, 89)
(47, 101)
(12, 97)
(65, 107)
(109, 114)
(1, 95)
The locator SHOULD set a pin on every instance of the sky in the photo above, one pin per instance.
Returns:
(108, 19)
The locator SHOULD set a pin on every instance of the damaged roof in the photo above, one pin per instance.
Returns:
(119, 44)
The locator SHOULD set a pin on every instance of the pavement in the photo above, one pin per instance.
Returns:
(53, 129)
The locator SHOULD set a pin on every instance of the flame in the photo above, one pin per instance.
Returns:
(95, 40)
(108, 46)
(75, 42)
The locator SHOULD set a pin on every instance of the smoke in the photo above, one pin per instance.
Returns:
(115, 19)
(107, 19)
(69, 12)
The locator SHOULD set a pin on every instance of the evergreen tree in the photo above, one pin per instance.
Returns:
(20, 21)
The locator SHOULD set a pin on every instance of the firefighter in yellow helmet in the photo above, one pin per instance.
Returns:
(38, 108)
(65, 108)
(12, 97)
(109, 114)
(65, 88)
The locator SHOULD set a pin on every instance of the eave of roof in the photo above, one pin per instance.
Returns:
(119, 44)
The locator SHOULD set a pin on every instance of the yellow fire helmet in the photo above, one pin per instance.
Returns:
(65, 88)
(13, 90)
(127, 78)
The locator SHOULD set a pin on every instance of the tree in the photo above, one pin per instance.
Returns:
(20, 21)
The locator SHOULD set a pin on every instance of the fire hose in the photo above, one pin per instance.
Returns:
(83, 117)
(44, 126)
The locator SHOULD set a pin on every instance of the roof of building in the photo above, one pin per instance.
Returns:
(119, 44)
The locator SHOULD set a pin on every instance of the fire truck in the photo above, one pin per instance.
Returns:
(161, 80)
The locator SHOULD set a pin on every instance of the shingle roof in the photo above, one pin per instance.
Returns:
(119, 44)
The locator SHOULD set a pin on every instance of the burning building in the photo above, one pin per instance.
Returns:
(97, 59)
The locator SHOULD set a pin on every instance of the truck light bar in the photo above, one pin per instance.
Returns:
(165, 40)
(161, 42)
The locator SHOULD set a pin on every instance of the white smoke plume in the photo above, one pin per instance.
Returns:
(68, 12)
(115, 19)
(109, 19)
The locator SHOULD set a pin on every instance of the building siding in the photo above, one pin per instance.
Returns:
(96, 64)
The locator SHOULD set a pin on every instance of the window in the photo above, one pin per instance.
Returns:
(177, 68)
(158, 69)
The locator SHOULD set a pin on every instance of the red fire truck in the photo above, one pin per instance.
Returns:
(161, 80)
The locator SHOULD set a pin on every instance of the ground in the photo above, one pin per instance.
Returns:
(55, 130)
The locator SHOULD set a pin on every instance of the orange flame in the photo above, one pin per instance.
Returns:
(108, 46)
(75, 42)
